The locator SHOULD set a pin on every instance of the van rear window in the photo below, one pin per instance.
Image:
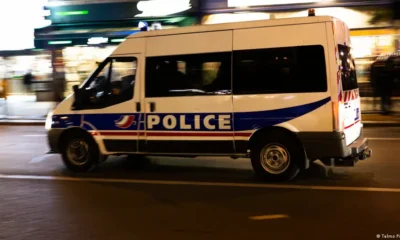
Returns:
(348, 68)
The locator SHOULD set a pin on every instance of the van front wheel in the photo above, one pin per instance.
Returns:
(79, 153)
(276, 158)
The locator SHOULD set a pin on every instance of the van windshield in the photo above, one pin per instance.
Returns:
(348, 69)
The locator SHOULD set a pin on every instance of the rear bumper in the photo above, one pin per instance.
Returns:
(360, 148)
(332, 145)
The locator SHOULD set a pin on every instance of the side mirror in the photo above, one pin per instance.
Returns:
(77, 105)
(75, 88)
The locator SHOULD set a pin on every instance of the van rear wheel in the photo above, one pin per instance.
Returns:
(277, 158)
(80, 152)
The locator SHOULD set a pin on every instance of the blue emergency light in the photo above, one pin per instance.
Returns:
(143, 26)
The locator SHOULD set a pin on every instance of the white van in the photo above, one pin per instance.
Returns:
(281, 92)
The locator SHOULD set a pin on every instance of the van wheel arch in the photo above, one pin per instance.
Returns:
(73, 132)
(259, 134)
(70, 132)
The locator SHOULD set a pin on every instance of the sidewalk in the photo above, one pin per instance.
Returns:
(25, 110)
(375, 119)
(371, 105)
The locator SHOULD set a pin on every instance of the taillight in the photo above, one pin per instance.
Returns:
(339, 86)
(338, 123)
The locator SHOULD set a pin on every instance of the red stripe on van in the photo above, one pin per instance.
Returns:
(352, 124)
(177, 134)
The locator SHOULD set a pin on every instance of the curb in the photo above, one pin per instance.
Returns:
(21, 123)
(377, 98)
(381, 124)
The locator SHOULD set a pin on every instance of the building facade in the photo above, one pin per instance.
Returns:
(82, 34)
(68, 38)
(17, 49)
(371, 24)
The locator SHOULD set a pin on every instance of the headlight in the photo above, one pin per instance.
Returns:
(49, 120)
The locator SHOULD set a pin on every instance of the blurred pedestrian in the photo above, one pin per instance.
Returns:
(386, 88)
(28, 78)
(374, 76)
(59, 83)
(390, 80)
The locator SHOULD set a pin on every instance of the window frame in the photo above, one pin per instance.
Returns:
(87, 105)
(95, 73)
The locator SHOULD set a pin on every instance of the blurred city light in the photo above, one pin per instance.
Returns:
(154, 8)
(66, 41)
(245, 3)
(19, 34)
(97, 40)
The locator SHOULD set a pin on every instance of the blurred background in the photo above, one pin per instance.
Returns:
(48, 46)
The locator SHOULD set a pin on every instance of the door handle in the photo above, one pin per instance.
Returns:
(138, 107)
(152, 106)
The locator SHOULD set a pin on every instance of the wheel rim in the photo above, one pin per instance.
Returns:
(78, 152)
(275, 159)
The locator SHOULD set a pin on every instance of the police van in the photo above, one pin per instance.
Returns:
(281, 92)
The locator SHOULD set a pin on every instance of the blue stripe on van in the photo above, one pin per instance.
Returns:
(242, 121)
(256, 120)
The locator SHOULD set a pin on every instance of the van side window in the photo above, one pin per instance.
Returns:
(280, 70)
(113, 84)
(188, 75)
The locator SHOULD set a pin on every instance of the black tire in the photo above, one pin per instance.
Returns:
(284, 157)
(75, 143)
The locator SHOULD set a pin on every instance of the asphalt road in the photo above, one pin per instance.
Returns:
(204, 198)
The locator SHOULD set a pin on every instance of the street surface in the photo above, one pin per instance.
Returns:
(202, 198)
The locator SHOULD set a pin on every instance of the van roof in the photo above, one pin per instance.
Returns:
(231, 26)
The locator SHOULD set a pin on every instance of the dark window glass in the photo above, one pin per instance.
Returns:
(188, 75)
(348, 69)
(111, 84)
(280, 70)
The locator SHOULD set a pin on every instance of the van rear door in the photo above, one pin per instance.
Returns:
(350, 96)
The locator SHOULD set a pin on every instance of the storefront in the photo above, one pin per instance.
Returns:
(368, 39)
(82, 35)
(17, 53)
(13, 67)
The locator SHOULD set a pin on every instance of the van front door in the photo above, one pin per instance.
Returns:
(189, 104)
(109, 103)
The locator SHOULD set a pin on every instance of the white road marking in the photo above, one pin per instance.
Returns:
(193, 183)
(34, 135)
(384, 139)
(269, 217)
(39, 159)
